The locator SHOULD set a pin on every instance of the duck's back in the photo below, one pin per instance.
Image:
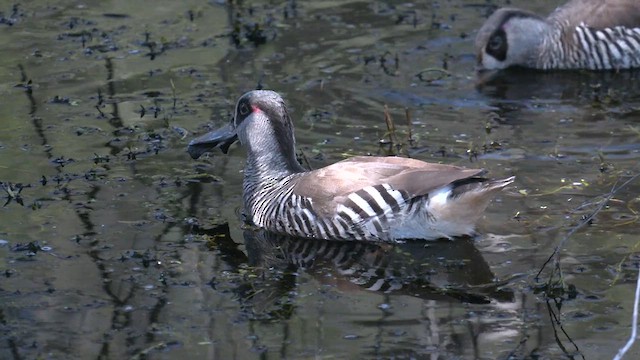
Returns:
(332, 185)
(378, 199)
(599, 14)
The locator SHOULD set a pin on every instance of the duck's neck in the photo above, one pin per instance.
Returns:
(270, 157)
(553, 50)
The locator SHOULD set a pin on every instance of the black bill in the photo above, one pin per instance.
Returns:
(221, 138)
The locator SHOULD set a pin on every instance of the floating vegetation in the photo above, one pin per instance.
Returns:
(388, 62)
(246, 29)
(431, 75)
(13, 16)
(12, 192)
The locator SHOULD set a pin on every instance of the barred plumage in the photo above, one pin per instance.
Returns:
(582, 34)
(362, 198)
(365, 214)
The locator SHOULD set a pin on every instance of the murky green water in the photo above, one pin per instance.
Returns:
(115, 244)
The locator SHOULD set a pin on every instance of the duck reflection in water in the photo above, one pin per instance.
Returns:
(440, 270)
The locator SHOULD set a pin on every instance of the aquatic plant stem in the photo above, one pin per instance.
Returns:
(555, 255)
(634, 322)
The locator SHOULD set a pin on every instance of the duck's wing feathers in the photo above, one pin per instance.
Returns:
(376, 180)
(599, 14)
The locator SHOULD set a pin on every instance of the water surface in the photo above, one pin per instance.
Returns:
(115, 244)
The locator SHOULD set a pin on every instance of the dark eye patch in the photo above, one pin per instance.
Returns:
(243, 108)
(497, 45)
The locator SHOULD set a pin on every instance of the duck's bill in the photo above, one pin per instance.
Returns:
(221, 138)
(484, 76)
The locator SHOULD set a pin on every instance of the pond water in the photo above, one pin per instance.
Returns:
(115, 244)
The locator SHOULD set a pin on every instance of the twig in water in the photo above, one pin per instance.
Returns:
(555, 256)
(512, 354)
(407, 114)
(634, 322)
(173, 92)
(391, 128)
(555, 320)
(391, 132)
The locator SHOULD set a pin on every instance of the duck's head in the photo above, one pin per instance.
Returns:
(509, 37)
(260, 119)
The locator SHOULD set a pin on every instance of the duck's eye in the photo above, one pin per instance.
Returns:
(244, 109)
(495, 43)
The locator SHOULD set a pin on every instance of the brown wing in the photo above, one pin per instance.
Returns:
(332, 184)
(599, 14)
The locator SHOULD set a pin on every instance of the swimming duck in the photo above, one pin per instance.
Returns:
(361, 198)
(582, 34)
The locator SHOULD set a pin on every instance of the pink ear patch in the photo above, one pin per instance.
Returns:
(255, 108)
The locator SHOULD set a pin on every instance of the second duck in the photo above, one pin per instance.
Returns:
(582, 34)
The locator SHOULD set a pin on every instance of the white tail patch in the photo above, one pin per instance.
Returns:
(439, 197)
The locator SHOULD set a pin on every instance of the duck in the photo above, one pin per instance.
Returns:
(581, 34)
(362, 198)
